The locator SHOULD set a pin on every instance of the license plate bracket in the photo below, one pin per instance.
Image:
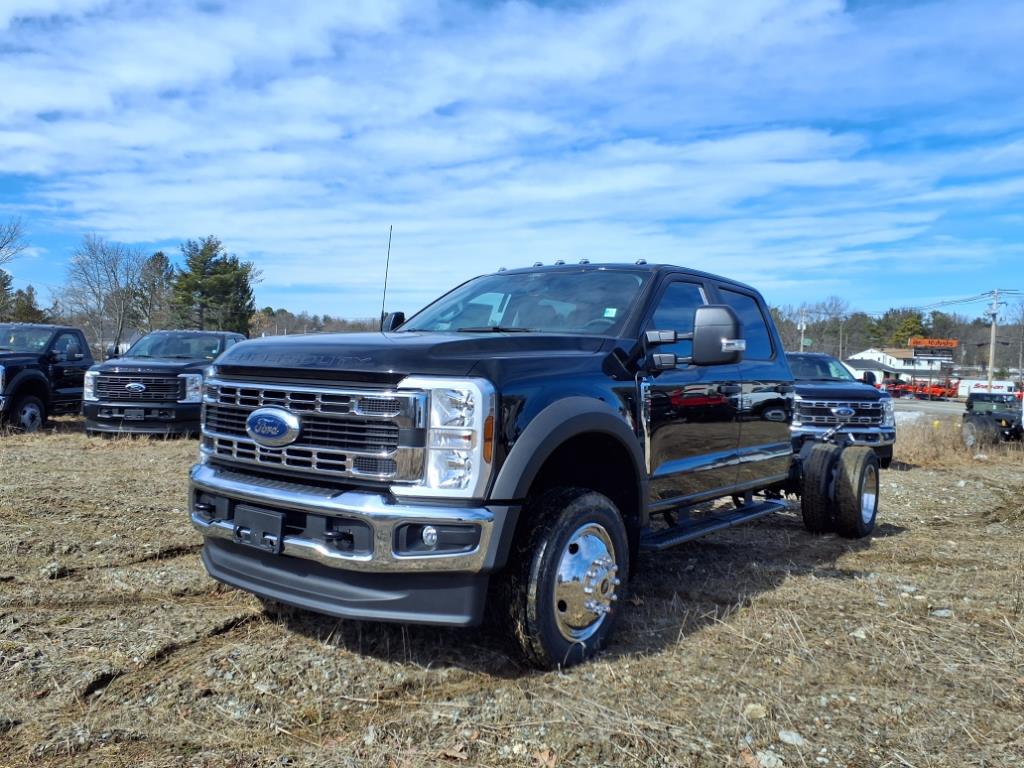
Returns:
(259, 528)
(134, 414)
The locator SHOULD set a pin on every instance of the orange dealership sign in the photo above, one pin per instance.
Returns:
(919, 342)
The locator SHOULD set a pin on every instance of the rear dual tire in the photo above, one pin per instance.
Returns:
(840, 490)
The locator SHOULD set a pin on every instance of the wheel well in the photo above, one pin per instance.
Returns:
(597, 461)
(32, 387)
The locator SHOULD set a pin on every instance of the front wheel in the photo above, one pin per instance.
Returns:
(28, 414)
(565, 582)
(978, 433)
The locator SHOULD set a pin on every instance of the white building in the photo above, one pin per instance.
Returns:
(902, 362)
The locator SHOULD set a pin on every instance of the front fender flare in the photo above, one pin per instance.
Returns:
(31, 376)
(558, 422)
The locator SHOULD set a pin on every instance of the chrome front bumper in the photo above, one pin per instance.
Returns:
(875, 437)
(370, 508)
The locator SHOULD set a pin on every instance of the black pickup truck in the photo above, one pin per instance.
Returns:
(827, 394)
(42, 368)
(156, 386)
(523, 437)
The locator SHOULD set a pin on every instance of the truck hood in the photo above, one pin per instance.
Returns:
(151, 365)
(837, 390)
(18, 358)
(386, 358)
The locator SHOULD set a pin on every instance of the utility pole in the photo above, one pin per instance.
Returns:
(994, 314)
(803, 326)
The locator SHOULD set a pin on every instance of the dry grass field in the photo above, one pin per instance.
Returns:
(759, 646)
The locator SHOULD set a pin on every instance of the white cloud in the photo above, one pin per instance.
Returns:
(751, 138)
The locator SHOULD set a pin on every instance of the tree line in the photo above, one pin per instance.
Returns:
(111, 289)
(833, 327)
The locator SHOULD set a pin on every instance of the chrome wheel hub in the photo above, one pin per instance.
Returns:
(868, 494)
(585, 582)
(30, 418)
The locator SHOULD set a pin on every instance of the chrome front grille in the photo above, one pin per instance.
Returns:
(823, 412)
(348, 433)
(144, 389)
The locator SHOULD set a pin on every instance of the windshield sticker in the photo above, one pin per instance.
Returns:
(610, 311)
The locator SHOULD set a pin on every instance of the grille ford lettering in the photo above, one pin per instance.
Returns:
(844, 412)
(136, 387)
(273, 427)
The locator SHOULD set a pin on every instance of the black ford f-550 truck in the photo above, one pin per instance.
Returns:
(523, 437)
(42, 369)
(155, 387)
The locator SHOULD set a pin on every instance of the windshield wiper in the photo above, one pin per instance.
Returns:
(493, 329)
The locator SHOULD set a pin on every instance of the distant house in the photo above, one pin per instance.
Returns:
(881, 371)
(900, 362)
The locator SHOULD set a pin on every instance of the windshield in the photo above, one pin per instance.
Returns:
(15, 338)
(593, 301)
(1002, 400)
(818, 369)
(190, 346)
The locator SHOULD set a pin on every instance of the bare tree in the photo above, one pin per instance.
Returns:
(103, 288)
(12, 241)
(155, 291)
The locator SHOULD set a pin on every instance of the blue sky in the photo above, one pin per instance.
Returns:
(871, 150)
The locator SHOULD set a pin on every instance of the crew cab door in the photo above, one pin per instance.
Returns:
(69, 360)
(766, 402)
(692, 432)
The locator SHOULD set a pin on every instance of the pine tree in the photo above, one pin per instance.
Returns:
(214, 289)
(6, 296)
(25, 307)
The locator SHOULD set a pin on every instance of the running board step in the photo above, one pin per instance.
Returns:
(690, 530)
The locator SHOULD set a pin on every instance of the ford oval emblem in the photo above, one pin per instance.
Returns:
(844, 412)
(273, 427)
(135, 387)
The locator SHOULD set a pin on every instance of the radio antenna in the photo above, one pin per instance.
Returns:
(387, 266)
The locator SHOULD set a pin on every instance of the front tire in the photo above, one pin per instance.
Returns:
(566, 578)
(978, 433)
(856, 489)
(28, 414)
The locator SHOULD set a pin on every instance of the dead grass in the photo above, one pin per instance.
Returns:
(116, 649)
(938, 443)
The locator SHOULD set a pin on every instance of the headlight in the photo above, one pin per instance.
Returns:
(459, 450)
(89, 389)
(193, 387)
(888, 412)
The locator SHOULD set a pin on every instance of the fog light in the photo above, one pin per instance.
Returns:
(429, 536)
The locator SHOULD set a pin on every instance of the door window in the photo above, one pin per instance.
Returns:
(675, 312)
(755, 329)
(67, 345)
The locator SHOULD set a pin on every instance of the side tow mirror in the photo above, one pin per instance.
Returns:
(717, 336)
(869, 378)
(391, 321)
(111, 352)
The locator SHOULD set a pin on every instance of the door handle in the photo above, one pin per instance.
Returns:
(729, 389)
